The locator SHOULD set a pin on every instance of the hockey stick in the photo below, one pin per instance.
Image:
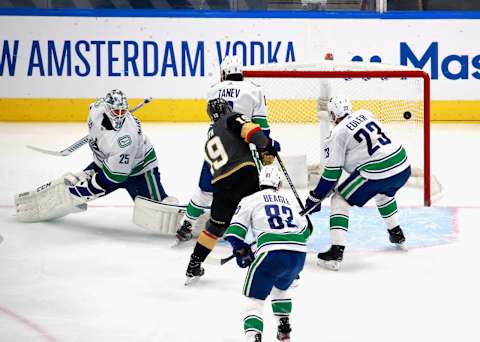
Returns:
(289, 180)
(221, 261)
(76, 145)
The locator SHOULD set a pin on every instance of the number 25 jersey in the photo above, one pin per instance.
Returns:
(359, 142)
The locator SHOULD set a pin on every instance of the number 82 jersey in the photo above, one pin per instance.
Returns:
(272, 216)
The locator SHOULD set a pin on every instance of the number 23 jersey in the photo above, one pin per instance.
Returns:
(272, 216)
(359, 142)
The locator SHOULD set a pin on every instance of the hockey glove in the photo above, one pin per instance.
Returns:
(87, 189)
(312, 204)
(244, 256)
(275, 146)
(242, 251)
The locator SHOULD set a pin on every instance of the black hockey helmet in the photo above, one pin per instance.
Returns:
(217, 108)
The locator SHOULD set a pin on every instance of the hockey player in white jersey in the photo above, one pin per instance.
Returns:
(281, 234)
(244, 97)
(123, 157)
(378, 168)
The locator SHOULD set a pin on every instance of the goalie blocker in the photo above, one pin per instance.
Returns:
(161, 217)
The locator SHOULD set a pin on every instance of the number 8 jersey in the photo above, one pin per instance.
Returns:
(359, 142)
(272, 216)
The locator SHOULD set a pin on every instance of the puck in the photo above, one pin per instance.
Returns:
(407, 115)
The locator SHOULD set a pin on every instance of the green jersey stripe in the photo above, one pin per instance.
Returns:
(236, 230)
(393, 160)
(114, 176)
(261, 121)
(267, 238)
(332, 174)
(150, 157)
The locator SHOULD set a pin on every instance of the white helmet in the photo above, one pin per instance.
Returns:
(116, 107)
(338, 107)
(270, 176)
(231, 65)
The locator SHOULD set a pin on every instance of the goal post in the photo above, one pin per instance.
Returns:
(296, 97)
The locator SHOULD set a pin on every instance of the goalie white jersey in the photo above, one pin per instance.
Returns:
(359, 142)
(272, 216)
(119, 153)
(244, 97)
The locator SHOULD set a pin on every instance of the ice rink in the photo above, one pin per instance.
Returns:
(96, 276)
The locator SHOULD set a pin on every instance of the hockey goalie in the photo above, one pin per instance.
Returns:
(123, 158)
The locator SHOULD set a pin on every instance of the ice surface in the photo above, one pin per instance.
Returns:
(97, 277)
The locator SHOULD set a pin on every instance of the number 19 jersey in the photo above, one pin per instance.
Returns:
(272, 216)
(359, 142)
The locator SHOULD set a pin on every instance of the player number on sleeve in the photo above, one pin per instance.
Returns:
(216, 153)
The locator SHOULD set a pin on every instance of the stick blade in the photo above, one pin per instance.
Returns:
(53, 153)
(211, 260)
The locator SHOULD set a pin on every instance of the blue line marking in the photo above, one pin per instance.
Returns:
(155, 13)
(423, 227)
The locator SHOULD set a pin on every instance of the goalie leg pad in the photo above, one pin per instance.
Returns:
(49, 201)
(158, 217)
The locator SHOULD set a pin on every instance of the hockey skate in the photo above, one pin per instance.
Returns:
(194, 270)
(331, 259)
(256, 338)
(395, 235)
(183, 234)
(283, 332)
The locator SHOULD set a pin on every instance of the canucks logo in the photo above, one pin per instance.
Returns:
(124, 141)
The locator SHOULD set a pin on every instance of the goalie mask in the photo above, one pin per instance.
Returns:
(116, 107)
(230, 65)
(217, 108)
(270, 177)
(338, 107)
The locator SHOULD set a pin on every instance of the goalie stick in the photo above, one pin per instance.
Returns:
(76, 145)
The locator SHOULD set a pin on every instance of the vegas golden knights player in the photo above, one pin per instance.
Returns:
(235, 174)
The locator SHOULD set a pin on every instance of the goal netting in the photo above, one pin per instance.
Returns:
(296, 101)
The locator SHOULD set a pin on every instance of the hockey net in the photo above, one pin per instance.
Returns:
(400, 98)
